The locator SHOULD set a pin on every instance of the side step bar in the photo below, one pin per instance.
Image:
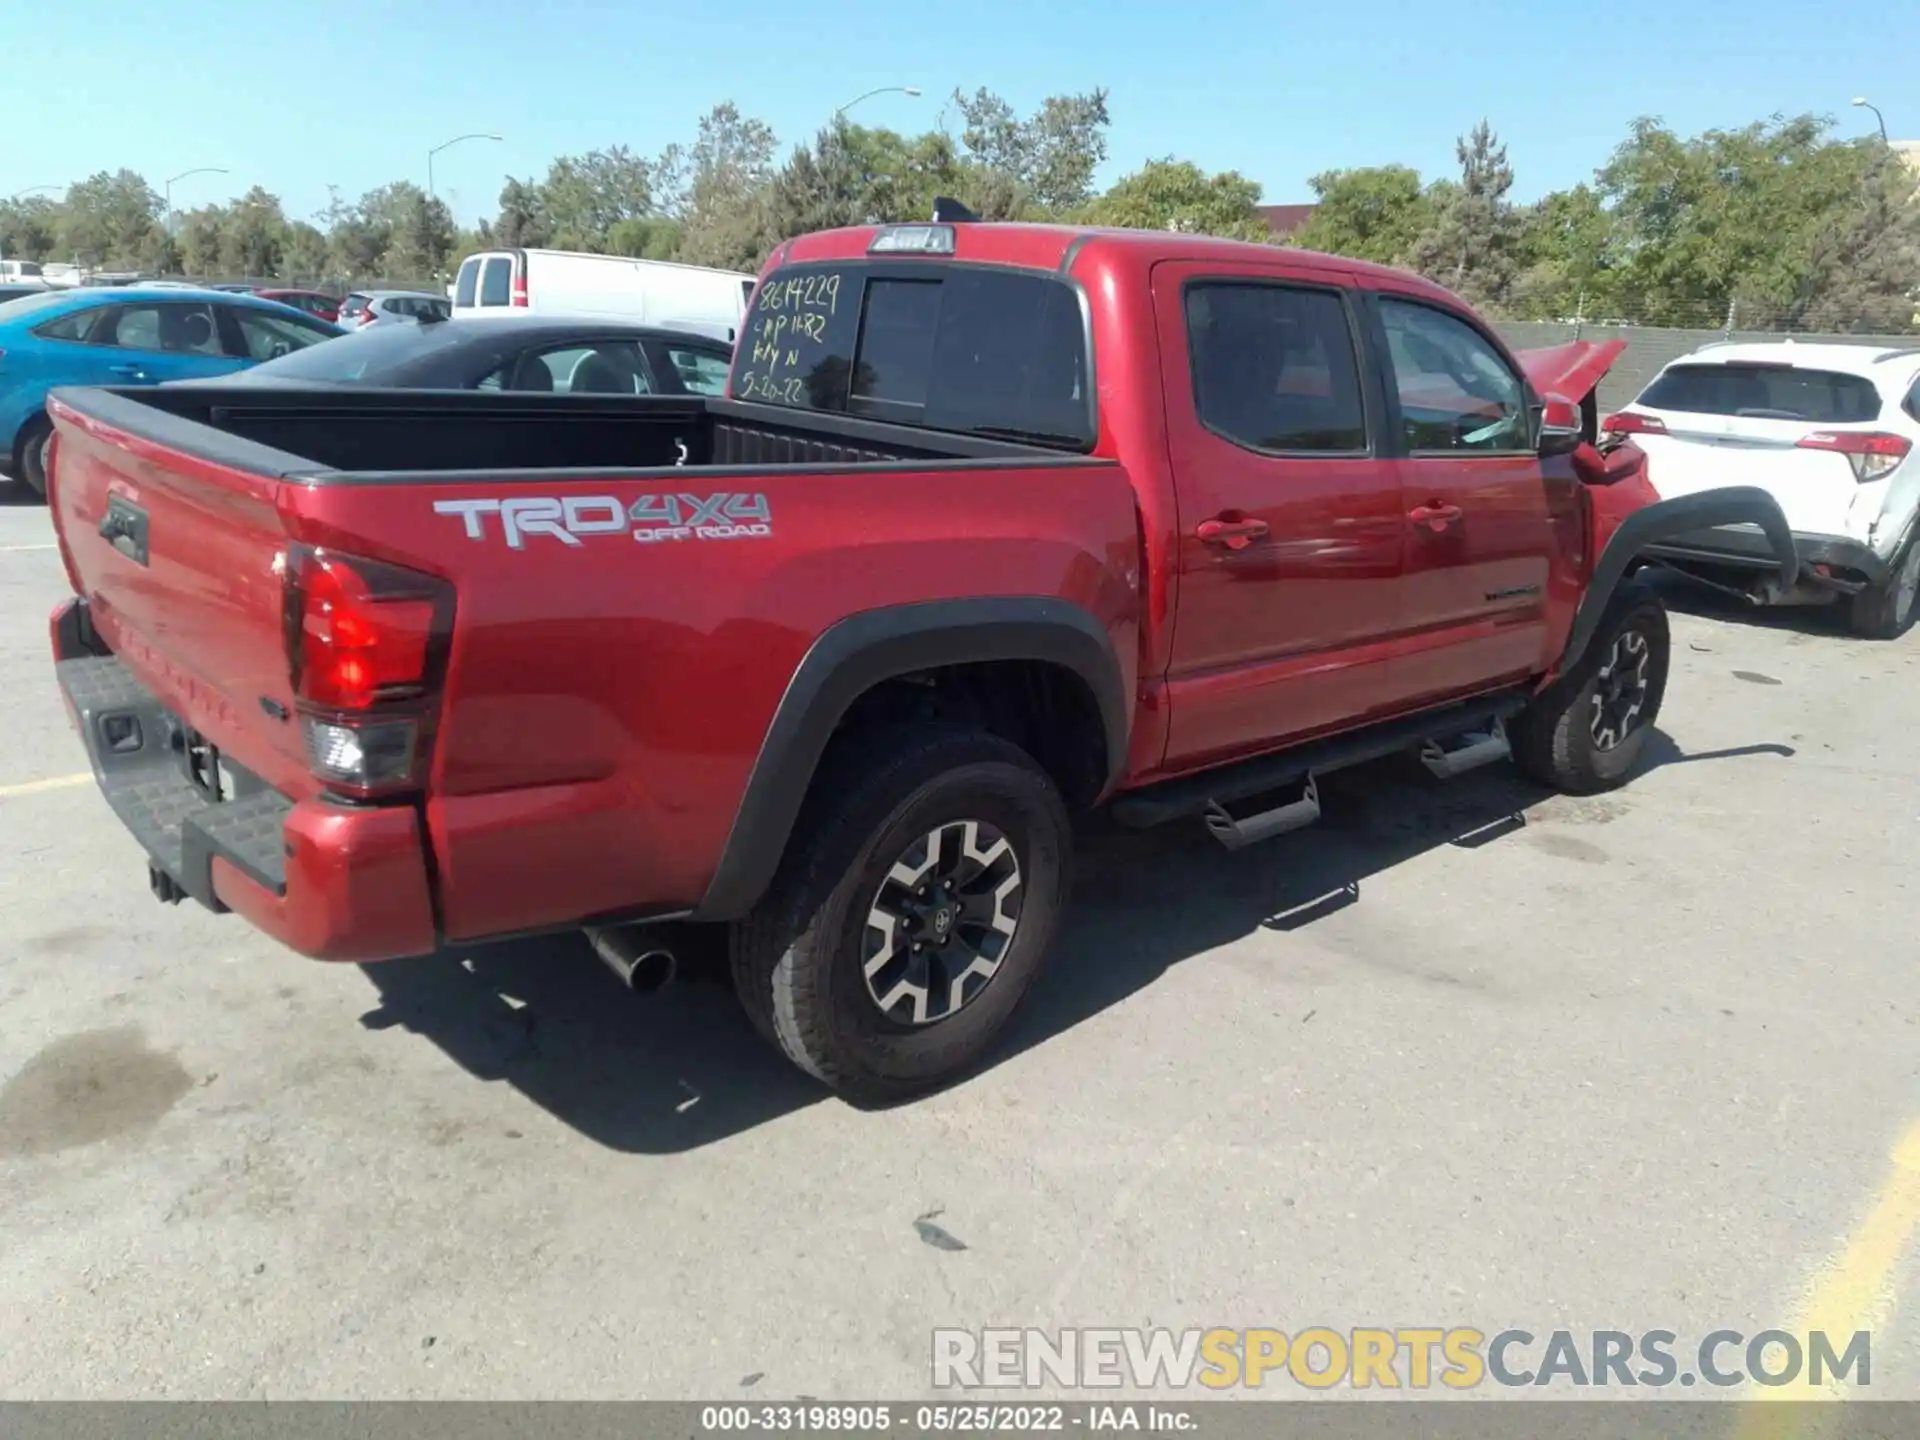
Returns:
(1210, 791)
(1476, 749)
(1282, 819)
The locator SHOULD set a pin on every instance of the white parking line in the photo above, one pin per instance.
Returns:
(36, 787)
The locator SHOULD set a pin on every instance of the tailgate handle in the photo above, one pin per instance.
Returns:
(124, 527)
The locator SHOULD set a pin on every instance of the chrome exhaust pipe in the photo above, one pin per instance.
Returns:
(635, 955)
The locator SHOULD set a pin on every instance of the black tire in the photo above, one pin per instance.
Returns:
(799, 960)
(1584, 733)
(30, 454)
(1886, 611)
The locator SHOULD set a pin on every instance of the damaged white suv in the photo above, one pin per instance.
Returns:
(1829, 431)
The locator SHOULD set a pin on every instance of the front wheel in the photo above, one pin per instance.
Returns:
(915, 909)
(1585, 732)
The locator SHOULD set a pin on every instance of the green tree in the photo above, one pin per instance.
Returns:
(1865, 272)
(1727, 216)
(1178, 195)
(656, 238)
(1471, 240)
(197, 236)
(720, 190)
(253, 235)
(1052, 154)
(28, 228)
(1375, 213)
(584, 196)
(107, 218)
(305, 254)
(523, 215)
(1565, 252)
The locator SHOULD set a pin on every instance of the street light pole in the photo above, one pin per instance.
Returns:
(201, 170)
(475, 135)
(912, 90)
(1861, 102)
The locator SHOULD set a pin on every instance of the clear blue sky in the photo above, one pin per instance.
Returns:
(297, 96)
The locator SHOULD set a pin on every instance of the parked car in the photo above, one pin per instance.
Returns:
(316, 303)
(529, 355)
(14, 290)
(830, 661)
(14, 272)
(559, 282)
(131, 336)
(1829, 431)
(385, 307)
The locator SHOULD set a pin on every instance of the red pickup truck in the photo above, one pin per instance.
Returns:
(996, 523)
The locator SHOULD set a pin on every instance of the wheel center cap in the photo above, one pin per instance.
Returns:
(942, 920)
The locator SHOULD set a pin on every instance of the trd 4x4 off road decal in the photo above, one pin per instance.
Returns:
(649, 519)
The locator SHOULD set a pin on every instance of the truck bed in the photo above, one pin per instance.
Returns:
(313, 433)
(615, 639)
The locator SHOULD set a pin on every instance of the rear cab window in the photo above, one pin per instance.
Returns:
(992, 351)
(1759, 390)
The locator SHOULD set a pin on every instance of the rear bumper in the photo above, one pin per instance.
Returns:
(333, 881)
(1746, 547)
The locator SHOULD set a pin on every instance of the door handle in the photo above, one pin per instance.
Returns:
(1234, 534)
(1434, 517)
(131, 371)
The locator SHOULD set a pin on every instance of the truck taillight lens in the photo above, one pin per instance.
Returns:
(1629, 423)
(519, 296)
(367, 645)
(1874, 454)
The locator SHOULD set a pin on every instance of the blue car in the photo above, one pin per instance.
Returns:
(130, 336)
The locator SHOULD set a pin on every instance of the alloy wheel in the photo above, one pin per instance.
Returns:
(1620, 690)
(941, 922)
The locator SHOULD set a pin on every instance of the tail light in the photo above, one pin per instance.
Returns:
(367, 649)
(519, 296)
(1627, 422)
(1873, 454)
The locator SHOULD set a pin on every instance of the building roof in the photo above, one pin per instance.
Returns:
(1285, 219)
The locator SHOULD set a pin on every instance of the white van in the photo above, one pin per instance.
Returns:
(563, 282)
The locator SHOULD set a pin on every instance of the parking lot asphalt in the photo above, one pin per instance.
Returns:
(1465, 1054)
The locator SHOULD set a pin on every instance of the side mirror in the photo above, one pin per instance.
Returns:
(1560, 428)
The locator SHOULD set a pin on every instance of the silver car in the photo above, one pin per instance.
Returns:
(364, 308)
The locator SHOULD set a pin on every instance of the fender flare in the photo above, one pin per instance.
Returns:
(852, 656)
(1729, 505)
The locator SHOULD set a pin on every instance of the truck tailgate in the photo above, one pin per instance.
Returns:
(180, 560)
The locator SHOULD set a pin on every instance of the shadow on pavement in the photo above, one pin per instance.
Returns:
(1145, 901)
(1687, 596)
(681, 1069)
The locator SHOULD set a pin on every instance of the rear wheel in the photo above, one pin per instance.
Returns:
(915, 909)
(30, 455)
(1585, 732)
(1885, 611)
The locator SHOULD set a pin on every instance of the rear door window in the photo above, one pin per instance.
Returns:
(1759, 391)
(986, 351)
(1274, 368)
(496, 280)
(467, 283)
